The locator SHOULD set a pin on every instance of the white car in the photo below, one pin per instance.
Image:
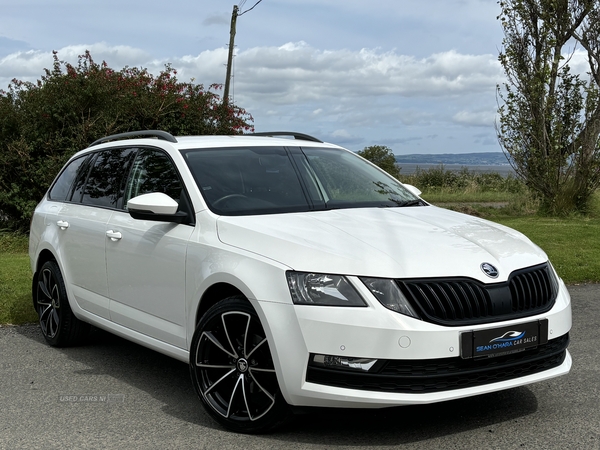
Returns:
(290, 272)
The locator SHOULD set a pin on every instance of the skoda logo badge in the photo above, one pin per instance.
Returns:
(242, 365)
(489, 270)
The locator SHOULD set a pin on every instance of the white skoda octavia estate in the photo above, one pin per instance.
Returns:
(290, 272)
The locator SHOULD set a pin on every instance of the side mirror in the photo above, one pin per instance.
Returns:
(155, 206)
(412, 189)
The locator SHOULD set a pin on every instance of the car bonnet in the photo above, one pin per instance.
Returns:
(410, 242)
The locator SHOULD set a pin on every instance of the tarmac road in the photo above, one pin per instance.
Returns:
(114, 394)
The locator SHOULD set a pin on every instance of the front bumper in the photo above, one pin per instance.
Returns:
(295, 332)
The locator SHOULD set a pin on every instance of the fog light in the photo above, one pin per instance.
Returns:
(343, 362)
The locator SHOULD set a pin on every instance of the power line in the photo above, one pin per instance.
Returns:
(242, 4)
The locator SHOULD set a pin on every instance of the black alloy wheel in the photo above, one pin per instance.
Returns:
(232, 369)
(59, 326)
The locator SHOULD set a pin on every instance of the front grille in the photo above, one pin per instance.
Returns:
(465, 301)
(531, 289)
(436, 375)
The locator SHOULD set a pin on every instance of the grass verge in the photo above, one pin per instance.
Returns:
(15, 281)
(15, 290)
(572, 244)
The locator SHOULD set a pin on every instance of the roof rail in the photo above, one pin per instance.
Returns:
(154, 133)
(301, 136)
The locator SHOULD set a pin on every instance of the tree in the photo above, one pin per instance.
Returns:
(549, 122)
(43, 124)
(383, 157)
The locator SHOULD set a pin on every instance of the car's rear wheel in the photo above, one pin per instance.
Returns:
(59, 326)
(232, 369)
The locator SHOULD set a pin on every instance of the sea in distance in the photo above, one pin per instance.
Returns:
(493, 162)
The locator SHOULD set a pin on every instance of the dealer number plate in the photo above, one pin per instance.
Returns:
(505, 340)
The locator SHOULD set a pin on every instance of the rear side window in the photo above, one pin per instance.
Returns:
(105, 181)
(62, 187)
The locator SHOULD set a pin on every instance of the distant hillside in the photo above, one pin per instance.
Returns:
(465, 159)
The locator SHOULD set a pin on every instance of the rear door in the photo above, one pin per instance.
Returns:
(82, 220)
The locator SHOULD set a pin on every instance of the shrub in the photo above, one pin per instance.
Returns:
(43, 124)
(439, 179)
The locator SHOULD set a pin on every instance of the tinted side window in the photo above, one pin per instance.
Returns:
(81, 179)
(104, 186)
(153, 171)
(62, 187)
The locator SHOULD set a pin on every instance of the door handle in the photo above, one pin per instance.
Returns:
(62, 224)
(114, 235)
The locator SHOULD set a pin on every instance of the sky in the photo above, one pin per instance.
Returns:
(418, 76)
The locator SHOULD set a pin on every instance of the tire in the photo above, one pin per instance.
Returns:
(232, 369)
(59, 326)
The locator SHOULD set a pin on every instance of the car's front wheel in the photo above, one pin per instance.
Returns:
(59, 325)
(232, 369)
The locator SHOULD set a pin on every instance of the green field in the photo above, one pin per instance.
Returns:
(15, 280)
(572, 243)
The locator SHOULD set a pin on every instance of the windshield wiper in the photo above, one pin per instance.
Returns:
(416, 202)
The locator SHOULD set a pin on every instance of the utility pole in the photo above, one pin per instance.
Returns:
(234, 16)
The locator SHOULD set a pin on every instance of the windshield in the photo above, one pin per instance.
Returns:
(267, 180)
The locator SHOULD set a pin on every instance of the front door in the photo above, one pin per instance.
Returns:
(146, 259)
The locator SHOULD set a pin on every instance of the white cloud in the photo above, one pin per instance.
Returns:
(475, 118)
(23, 65)
(345, 134)
(296, 72)
(322, 90)
(30, 65)
(578, 62)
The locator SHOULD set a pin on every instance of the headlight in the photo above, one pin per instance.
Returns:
(389, 295)
(322, 289)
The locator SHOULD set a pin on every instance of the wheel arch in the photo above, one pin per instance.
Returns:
(213, 295)
(44, 256)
